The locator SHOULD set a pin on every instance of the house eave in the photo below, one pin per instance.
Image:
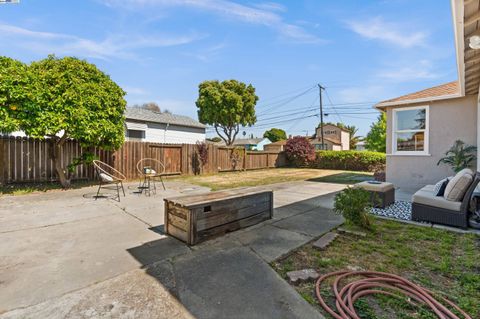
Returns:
(458, 12)
(381, 106)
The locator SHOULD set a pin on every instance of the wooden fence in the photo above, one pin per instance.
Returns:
(25, 159)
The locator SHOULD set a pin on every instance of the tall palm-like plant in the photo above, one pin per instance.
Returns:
(459, 156)
(354, 138)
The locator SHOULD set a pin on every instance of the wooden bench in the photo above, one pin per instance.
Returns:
(196, 218)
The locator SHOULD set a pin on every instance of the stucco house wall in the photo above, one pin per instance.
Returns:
(345, 140)
(449, 120)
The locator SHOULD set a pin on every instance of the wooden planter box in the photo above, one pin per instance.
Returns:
(196, 218)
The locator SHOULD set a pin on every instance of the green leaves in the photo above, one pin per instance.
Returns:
(226, 105)
(64, 97)
(376, 139)
(354, 204)
(13, 93)
(275, 134)
(73, 96)
(459, 156)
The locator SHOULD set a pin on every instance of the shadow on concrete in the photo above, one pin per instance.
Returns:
(343, 178)
(225, 278)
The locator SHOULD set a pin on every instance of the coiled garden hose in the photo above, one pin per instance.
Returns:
(372, 282)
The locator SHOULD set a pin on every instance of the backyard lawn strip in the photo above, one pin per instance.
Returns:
(443, 261)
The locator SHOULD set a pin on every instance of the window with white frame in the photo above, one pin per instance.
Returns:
(410, 130)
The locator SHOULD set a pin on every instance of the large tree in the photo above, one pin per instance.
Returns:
(13, 92)
(376, 139)
(226, 106)
(71, 99)
(275, 134)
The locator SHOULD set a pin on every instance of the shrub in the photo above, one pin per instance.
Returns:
(354, 204)
(299, 151)
(351, 160)
(201, 156)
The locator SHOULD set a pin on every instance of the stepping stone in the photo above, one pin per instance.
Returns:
(325, 240)
(351, 232)
(304, 275)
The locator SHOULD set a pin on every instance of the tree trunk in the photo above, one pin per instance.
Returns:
(57, 145)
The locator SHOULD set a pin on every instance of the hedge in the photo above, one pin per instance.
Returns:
(350, 160)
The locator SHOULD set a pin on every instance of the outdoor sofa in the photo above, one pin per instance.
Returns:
(428, 207)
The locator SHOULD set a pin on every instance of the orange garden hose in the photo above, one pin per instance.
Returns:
(372, 282)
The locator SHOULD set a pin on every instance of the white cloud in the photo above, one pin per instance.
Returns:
(208, 53)
(377, 29)
(265, 15)
(271, 6)
(134, 90)
(116, 46)
(422, 70)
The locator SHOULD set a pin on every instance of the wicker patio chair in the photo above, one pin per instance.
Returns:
(109, 176)
(426, 213)
(150, 169)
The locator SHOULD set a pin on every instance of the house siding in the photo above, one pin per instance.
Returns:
(174, 134)
(449, 120)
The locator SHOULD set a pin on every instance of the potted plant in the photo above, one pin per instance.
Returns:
(459, 156)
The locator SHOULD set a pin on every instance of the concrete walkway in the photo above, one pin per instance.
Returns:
(65, 255)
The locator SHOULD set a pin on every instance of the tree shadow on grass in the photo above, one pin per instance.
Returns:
(343, 178)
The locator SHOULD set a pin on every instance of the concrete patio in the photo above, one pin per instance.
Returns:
(66, 255)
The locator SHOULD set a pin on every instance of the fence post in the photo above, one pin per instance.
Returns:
(3, 161)
(245, 159)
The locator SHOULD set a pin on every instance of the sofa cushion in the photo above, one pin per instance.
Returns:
(465, 171)
(440, 186)
(457, 187)
(375, 187)
(426, 196)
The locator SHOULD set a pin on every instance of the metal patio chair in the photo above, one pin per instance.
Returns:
(150, 170)
(109, 177)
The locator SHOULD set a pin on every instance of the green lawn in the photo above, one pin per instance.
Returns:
(276, 175)
(445, 262)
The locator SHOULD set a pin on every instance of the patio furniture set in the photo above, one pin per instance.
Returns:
(150, 171)
(449, 202)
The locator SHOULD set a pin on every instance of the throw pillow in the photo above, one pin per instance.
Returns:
(439, 189)
(457, 187)
(106, 178)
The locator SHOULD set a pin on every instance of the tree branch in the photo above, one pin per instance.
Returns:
(221, 136)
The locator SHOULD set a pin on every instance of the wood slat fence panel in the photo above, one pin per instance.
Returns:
(24, 159)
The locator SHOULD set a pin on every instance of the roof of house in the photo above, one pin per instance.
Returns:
(139, 114)
(319, 141)
(444, 91)
(248, 141)
(330, 124)
(282, 142)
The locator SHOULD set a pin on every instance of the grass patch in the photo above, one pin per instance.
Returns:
(28, 188)
(270, 176)
(443, 261)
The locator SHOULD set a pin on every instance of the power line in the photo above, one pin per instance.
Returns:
(284, 94)
(284, 102)
(328, 96)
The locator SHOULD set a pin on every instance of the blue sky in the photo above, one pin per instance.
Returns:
(160, 50)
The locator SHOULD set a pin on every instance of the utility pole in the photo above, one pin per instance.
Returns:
(320, 88)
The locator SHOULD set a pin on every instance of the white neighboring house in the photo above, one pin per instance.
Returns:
(150, 126)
